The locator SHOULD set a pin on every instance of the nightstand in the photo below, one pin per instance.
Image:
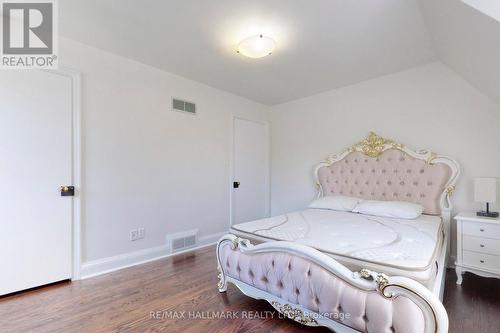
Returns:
(478, 245)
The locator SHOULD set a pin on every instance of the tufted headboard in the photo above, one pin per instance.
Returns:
(381, 169)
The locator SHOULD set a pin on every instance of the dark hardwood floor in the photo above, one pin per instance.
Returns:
(144, 298)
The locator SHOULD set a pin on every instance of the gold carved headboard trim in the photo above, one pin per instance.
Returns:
(374, 145)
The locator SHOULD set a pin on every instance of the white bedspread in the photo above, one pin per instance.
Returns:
(406, 245)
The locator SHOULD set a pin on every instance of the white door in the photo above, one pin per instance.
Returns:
(251, 170)
(35, 160)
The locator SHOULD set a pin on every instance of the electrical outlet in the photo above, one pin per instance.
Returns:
(138, 233)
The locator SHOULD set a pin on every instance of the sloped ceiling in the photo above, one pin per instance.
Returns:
(468, 41)
(321, 44)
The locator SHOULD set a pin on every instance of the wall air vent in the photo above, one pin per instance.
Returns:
(182, 240)
(183, 106)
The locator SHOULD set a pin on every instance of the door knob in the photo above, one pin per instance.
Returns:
(67, 191)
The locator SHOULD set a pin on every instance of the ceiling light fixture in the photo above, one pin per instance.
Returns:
(256, 46)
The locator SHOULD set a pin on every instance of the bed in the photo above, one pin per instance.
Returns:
(404, 247)
(347, 271)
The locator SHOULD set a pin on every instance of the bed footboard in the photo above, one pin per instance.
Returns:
(313, 289)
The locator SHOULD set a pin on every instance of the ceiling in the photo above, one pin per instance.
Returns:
(468, 41)
(321, 44)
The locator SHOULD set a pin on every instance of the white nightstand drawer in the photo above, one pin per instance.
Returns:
(478, 245)
(483, 261)
(483, 245)
(489, 230)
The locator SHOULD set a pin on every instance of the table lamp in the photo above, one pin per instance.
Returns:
(487, 190)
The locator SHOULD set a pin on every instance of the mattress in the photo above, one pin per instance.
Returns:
(401, 247)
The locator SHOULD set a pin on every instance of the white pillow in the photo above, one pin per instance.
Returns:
(335, 202)
(392, 209)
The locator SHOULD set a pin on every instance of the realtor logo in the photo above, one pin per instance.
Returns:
(28, 34)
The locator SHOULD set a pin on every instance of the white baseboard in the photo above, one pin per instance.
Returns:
(106, 265)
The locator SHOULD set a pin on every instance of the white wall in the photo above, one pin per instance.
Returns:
(427, 107)
(144, 165)
(466, 40)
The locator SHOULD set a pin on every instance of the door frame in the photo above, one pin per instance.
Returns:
(232, 164)
(76, 173)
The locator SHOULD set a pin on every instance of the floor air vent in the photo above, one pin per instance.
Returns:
(183, 106)
(183, 240)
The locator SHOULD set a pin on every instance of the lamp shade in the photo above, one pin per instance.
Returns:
(486, 190)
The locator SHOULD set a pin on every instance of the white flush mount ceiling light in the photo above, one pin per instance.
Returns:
(256, 46)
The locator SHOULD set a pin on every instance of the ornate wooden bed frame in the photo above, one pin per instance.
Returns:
(314, 289)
